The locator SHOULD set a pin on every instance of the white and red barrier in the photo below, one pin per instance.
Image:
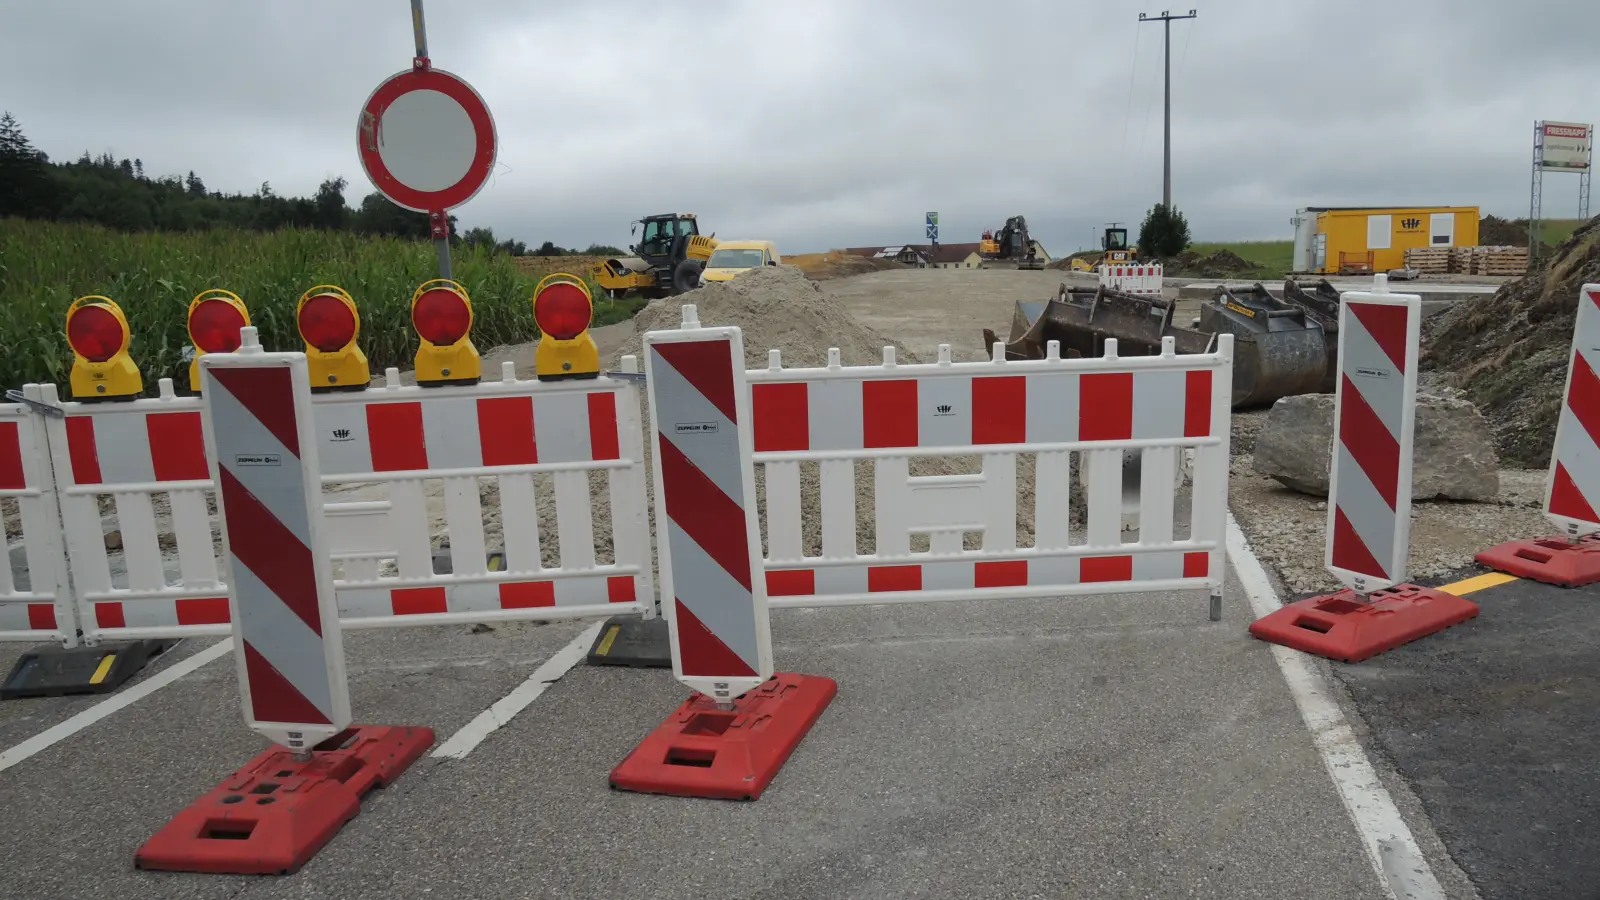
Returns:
(36, 602)
(1369, 495)
(1572, 486)
(1131, 278)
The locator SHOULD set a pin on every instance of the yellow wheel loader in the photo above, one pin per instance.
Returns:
(668, 259)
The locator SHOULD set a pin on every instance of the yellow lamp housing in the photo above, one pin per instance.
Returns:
(441, 312)
(563, 307)
(215, 317)
(329, 323)
(98, 334)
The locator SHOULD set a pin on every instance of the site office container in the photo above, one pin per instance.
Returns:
(1375, 239)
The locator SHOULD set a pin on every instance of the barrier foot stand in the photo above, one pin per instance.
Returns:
(632, 641)
(272, 816)
(1552, 560)
(59, 672)
(701, 751)
(1345, 627)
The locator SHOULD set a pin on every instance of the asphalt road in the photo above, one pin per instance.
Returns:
(1095, 747)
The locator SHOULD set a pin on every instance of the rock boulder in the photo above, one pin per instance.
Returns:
(1453, 455)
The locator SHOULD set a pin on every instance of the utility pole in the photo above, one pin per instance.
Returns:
(1166, 141)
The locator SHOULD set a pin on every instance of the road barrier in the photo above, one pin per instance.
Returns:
(1369, 495)
(36, 601)
(1572, 487)
(1132, 278)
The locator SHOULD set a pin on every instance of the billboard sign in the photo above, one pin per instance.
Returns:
(1565, 146)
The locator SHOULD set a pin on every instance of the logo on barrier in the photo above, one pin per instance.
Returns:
(342, 434)
(257, 459)
(1372, 373)
(943, 409)
(696, 428)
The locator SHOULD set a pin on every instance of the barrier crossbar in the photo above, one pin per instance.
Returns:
(1154, 406)
(1132, 278)
(35, 593)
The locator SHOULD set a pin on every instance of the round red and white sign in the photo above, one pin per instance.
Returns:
(426, 140)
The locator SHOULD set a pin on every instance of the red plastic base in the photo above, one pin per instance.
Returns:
(274, 814)
(701, 751)
(1551, 560)
(1340, 626)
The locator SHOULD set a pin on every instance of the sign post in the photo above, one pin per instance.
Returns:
(1369, 495)
(426, 140)
(932, 224)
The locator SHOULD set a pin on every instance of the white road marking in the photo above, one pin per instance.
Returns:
(1394, 853)
(506, 708)
(115, 702)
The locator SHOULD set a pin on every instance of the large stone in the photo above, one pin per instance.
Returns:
(1452, 457)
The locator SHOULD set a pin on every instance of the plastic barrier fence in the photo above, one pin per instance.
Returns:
(35, 597)
(144, 461)
(1053, 408)
(1131, 278)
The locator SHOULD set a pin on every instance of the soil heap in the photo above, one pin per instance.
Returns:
(1221, 264)
(1509, 352)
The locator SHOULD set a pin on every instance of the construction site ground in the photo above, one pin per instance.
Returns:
(1107, 746)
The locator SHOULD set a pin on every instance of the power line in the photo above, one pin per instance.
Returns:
(1133, 70)
(1166, 20)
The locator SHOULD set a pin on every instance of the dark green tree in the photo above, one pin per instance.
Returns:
(1164, 234)
(26, 189)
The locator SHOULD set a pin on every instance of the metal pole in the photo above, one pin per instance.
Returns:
(438, 220)
(1166, 139)
(1536, 195)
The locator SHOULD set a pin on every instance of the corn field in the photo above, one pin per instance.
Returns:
(44, 266)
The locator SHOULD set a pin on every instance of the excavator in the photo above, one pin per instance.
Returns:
(667, 261)
(1012, 245)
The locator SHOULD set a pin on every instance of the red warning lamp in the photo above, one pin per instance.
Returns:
(215, 317)
(563, 308)
(441, 312)
(98, 334)
(562, 311)
(329, 324)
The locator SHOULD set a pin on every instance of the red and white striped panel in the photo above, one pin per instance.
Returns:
(960, 410)
(29, 616)
(159, 613)
(113, 446)
(485, 596)
(465, 432)
(13, 473)
(291, 658)
(968, 574)
(1572, 501)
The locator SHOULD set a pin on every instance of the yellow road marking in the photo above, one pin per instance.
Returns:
(103, 670)
(1477, 583)
(605, 642)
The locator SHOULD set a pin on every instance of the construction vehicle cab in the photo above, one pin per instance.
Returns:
(1011, 245)
(1114, 244)
(732, 258)
(667, 261)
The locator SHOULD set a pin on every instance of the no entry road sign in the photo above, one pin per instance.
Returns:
(426, 140)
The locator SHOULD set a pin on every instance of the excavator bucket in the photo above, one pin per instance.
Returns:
(1321, 304)
(1278, 349)
(1080, 319)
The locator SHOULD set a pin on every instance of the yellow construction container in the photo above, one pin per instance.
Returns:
(1358, 240)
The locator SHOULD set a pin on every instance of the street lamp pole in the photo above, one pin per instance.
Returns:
(1166, 142)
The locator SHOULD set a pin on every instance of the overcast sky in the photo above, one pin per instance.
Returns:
(825, 123)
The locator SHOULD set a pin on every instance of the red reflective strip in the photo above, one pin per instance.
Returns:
(268, 394)
(1000, 409)
(1105, 568)
(1105, 406)
(1000, 573)
(708, 516)
(1197, 403)
(81, 448)
(1387, 325)
(202, 611)
(791, 583)
(505, 431)
(603, 426)
(42, 616)
(894, 578)
(395, 432)
(1196, 564)
(418, 601)
(1350, 552)
(1567, 500)
(272, 553)
(108, 614)
(1374, 449)
(177, 446)
(703, 653)
(708, 367)
(1583, 396)
(272, 697)
(781, 416)
(620, 589)
(12, 476)
(527, 594)
(889, 413)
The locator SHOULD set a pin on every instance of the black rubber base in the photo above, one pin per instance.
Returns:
(58, 672)
(632, 641)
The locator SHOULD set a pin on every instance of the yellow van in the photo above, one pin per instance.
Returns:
(733, 257)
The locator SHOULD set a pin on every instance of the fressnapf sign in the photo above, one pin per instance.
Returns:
(1566, 146)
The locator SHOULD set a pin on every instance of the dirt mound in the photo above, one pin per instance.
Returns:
(1220, 264)
(838, 264)
(1494, 231)
(1508, 352)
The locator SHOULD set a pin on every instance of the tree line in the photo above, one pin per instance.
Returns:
(119, 194)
